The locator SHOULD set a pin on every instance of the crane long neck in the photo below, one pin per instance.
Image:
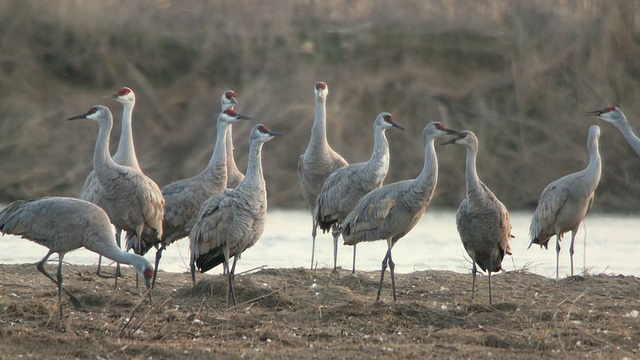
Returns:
(629, 135)
(318, 140)
(471, 174)
(108, 249)
(218, 163)
(126, 152)
(102, 160)
(429, 175)
(231, 162)
(254, 176)
(380, 155)
(595, 161)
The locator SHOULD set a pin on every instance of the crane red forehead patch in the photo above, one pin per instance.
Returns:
(230, 95)
(321, 85)
(124, 91)
(93, 110)
(230, 112)
(439, 126)
(610, 108)
(388, 118)
(263, 129)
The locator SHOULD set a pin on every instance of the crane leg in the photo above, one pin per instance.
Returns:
(573, 238)
(155, 269)
(193, 272)
(335, 235)
(232, 274)
(490, 298)
(59, 277)
(314, 232)
(225, 252)
(557, 255)
(40, 266)
(384, 268)
(353, 269)
(392, 266)
(474, 270)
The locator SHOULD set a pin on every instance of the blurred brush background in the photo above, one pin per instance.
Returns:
(521, 74)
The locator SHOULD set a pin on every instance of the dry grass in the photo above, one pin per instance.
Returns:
(521, 74)
(285, 313)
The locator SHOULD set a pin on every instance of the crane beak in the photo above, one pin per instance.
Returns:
(454, 139)
(395, 125)
(595, 113)
(81, 116)
(242, 117)
(274, 133)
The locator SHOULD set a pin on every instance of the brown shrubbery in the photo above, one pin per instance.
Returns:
(521, 74)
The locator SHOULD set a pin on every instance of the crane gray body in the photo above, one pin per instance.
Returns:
(391, 211)
(319, 160)
(232, 221)
(65, 224)
(565, 202)
(482, 220)
(346, 185)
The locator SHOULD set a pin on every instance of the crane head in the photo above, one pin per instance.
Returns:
(124, 96)
(147, 274)
(263, 133)
(228, 100)
(96, 113)
(464, 137)
(611, 114)
(231, 116)
(385, 120)
(321, 90)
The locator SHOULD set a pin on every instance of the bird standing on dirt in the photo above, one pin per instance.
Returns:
(65, 224)
(183, 198)
(132, 200)
(483, 221)
(565, 203)
(125, 155)
(232, 221)
(319, 159)
(346, 185)
(391, 211)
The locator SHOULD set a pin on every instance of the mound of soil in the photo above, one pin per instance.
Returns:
(306, 314)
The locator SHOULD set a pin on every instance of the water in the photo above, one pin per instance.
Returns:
(611, 247)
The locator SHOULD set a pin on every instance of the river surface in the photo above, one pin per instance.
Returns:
(612, 247)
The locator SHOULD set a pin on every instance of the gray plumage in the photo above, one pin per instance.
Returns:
(63, 225)
(232, 221)
(391, 211)
(319, 160)
(345, 186)
(234, 175)
(125, 154)
(183, 198)
(483, 221)
(132, 201)
(615, 116)
(565, 202)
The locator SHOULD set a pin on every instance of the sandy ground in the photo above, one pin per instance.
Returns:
(305, 314)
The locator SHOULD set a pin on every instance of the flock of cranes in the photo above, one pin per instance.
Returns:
(223, 212)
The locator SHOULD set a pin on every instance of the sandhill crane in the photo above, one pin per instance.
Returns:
(346, 185)
(66, 224)
(615, 116)
(319, 160)
(232, 221)
(483, 221)
(234, 175)
(391, 211)
(125, 155)
(564, 203)
(183, 198)
(133, 201)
